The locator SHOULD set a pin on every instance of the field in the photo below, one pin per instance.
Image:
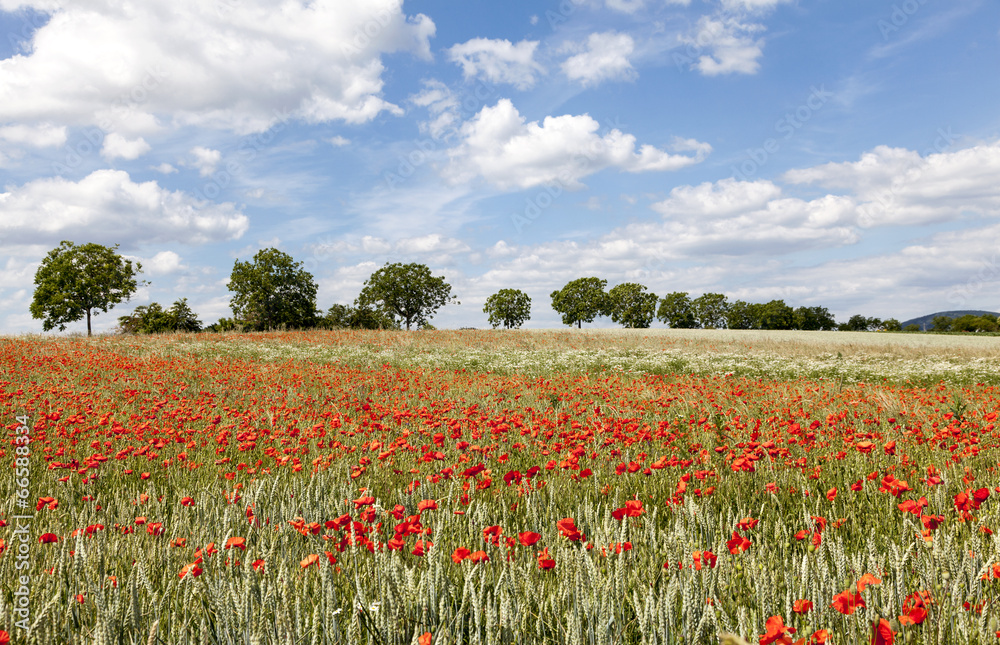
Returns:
(501, 487)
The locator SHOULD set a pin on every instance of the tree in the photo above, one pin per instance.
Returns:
(632, 306)
(508, 307)
(814, 319)
(941, 323)
(153, 319)
(857, 322)
(741, 315)
(891, 324)
(272, 291)
(776, 315)
(77, 281)
(710, 310)
(407, 291)
(580, 301)
(677, 311)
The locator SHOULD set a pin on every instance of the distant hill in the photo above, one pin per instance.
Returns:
(926, 322)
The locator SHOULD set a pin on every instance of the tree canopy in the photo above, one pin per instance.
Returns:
(581, 300)
(74, 282)
(154, 319)
(508, 307)
(677, 311)
(632, 305)
(272, 291)
(406, 291)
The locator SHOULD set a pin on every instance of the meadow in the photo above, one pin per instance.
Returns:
(479, 487)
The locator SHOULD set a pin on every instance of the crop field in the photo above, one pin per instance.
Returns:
(476, 487)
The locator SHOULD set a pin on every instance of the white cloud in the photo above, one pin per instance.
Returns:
(898, 186)
(729, 46)
(498, 61)
(205, 160)
(339, 141)
(122, 66)
(163, 263)
(107, 206)
(443, 106)
(719, 199)
(164, 168)
(605, 59)
(116, 146)
(43, 135)
(499, 146)
(752, 5)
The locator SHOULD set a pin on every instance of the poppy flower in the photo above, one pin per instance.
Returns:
(460, 554)
(882, 633)
(747, 523)
(479, 556)
(426, 505)
(802, 606)
(425, 639)
(567, 527)
(47, 538)
(4, 637)
(192, 569)
(258, 565)
(544, 561)
(187, 501)
(421, 547)
(238, 542)
(831, 494)
(80, 598)
(309, 560)
(847, 603)
(776, 632)
(528, 538)
(738, 544)
(867, 579)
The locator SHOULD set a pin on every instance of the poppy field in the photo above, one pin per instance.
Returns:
(278, 488)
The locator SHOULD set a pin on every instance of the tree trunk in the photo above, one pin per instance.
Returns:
(579, 324)
(88, 322)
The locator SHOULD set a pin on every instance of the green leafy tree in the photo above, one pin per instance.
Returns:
(406, 291)
(710, 310)
(814, 319)
(941, 323)
(741, 315)
(776, 315)
(892, 324)
(857, 322)
(74, 282)
(508, 307)
(154, 319)
(272, 291)
(632, 306)
(677, 311)
(581, 300)
(911, 328)
(337, 317)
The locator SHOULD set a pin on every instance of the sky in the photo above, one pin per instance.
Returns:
(837, 153)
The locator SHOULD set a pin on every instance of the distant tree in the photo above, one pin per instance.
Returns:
(857, 322)
(360, 317)
(911, 328)
(226, 325)
(891, 324)
(969, 322)
(73, 282)
(741, 315)
(337, 317)
(941, 323)
(273, 291)
(406, 291)
(814, 319)
(632, 306)
(508, 307)
(580, 301)
(776, 315)
(710, 310)
(677, 311)
(153, 319)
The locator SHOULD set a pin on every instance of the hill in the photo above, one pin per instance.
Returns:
(925, 322)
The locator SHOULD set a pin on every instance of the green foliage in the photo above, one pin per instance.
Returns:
(941, 323)
(969, 322)
(911, 328)
(632, 306)
(361, 317)
(226, 325)
(814, 319)
(273, 291)
(891, 324)
(406, 291)
(677, 311)
(710, 310)
(741, 315)
(581, 300)
(77, 281)
(153, 319)
(508, 307)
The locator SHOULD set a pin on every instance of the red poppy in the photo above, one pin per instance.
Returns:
(831, 494)
(528, 538)
(747, 523)
(187, 501)
(847, 603)
(568, 529)
(425, 639)
(192, 568)
(460, 554)
(544, 561)
(776, 632)
(867, 579)
(309, 560)
(4, 637)
(237, 542)
(802, 606)
(479, 556)
(257, 565)
(738, 544)
(426, 505)
(47, 538)
(882, 633)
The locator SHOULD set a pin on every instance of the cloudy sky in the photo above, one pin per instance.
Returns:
(843, 153)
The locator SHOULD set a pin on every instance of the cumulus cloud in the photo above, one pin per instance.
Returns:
(116, 146)
(107, 206)
(501, 147)
(605, 58)
(120, 66)
(339, 141)
(163, 263)
(164, 168)
(498, 61)
(899, 186)
(727, 45)
(205, 160)
(43, 135)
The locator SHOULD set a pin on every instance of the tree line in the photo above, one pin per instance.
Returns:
(273, 291)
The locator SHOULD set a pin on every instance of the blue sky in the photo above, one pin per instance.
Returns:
(842, 154)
